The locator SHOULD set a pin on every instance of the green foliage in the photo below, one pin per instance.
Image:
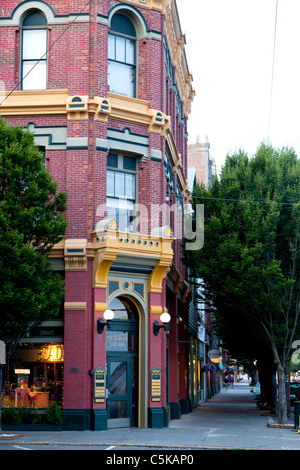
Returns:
(31, 223)
(35, 417)
(24, 415)
(10, 415)
(249, 264)
(53, 415)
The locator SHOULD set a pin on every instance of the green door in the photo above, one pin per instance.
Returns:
(119, 391)
(121, 363)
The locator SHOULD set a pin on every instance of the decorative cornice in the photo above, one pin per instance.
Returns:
(175, 159)
(108, 244)
(176, 44)
(178, 285)
(34, 102)
(75, 254)
(78, 107)
(158, 5)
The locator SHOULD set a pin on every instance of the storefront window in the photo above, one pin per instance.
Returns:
(34, 376)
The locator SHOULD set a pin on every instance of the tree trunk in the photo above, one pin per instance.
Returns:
(273, 404)
(282, 401)
(267, 379)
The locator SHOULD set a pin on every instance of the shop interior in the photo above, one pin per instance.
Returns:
(33, 376)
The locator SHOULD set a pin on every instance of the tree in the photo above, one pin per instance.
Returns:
(250, 259)
(31, 223)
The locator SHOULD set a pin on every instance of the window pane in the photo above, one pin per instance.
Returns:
(119, 184)
(121, 79)
(130, 53)
(120, 49)
(118, 409)
(34, 44)
(35, 19)
(110, 183)
(111, 46)
(37, 78)
(122, 24)
(112, 160)
(129, 186)
(112, 208)
(118, 378)
(123, 211)
(129, 163)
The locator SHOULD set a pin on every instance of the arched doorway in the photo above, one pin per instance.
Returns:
(122, 341)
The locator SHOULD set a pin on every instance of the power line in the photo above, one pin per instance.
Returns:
(48, 50)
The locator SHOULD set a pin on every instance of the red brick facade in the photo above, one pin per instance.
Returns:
(76, 148)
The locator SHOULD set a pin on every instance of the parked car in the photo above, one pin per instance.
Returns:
(294, 391)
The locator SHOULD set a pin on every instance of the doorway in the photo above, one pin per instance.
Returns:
(122, 365)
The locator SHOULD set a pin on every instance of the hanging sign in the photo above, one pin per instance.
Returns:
(213, 353)
(99, 385)
(155, 384)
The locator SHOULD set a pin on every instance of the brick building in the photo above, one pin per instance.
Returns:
(201, 162)
(105, 87)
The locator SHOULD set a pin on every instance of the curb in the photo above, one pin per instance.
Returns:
(6, 437)
(272, 424)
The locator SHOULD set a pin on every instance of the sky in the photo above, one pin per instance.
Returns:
(245, 62)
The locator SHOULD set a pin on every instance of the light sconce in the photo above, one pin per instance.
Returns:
(164, 318)
(108, 315)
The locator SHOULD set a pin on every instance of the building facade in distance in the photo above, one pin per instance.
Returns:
(106, 89)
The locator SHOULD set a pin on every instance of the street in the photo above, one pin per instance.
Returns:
(228, 420)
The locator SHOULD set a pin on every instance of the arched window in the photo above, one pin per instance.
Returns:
(34, 51)
(122, 56)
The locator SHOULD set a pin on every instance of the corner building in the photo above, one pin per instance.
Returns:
(106, 89)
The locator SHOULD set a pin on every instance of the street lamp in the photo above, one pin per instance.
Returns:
(108, 316)
(164, 318)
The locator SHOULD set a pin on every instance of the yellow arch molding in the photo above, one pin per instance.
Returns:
(162, 266)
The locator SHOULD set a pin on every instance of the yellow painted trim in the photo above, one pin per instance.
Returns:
(158, 5)
(111, 243)
(175, 158)
(104, 259)
(156, 309)
(77, 111)
(176, 44)
(75, 305)
(57, 102)
(161, 268)
(102, 306)
(34, 102)
(132, 299)
(124, 108)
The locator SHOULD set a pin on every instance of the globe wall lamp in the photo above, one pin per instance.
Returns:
(108, 316)
(164, 318)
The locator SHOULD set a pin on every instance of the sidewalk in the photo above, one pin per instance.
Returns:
(229, 420)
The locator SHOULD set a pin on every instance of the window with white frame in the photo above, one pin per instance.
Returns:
(122, 56)
(121, 190)
(34, 51)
